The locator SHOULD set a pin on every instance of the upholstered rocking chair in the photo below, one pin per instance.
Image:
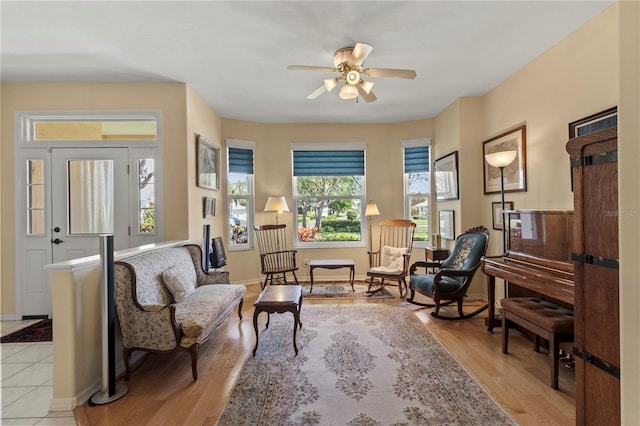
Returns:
(452, 280)
(275, 258)
(391, 261)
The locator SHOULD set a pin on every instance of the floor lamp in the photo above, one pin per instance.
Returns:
(372, 210)
(501, 160)
(276, 204)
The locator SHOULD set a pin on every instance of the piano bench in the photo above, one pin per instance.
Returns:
(543, 318)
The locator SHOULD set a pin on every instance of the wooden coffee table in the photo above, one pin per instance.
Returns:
(279, 299)
(333, 264)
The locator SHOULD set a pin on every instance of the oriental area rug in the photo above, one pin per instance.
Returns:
(343, 290)
(42, 331)
(358, 364)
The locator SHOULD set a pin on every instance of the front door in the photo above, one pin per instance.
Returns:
(90, 197)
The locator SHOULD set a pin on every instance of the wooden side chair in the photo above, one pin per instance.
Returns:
(451, 282)
(391, 261)
(275, 258)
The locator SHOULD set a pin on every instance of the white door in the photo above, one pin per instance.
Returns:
(90, 197)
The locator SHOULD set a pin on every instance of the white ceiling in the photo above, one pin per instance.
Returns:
(234, 54)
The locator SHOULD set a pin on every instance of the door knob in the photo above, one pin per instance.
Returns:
(57, 241)
(56, 229)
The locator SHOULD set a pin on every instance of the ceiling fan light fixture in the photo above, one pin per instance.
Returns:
(330, 84)
(353, 77)
(367, 86)
(348, 91)
(342, 56)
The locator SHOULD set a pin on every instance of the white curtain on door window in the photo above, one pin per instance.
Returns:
(91, 197)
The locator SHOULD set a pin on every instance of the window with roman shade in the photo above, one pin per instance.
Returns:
(329, 194)
(417, 186)
(240, 193)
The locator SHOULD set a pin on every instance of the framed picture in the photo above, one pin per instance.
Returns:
(207, 164)
(599, 121)
(447, 225)
(446, 175)
(498, 216)
(515, 174)
(208, 207)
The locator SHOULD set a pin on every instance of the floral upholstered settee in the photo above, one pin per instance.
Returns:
(166, 302)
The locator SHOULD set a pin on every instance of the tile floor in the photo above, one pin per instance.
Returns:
(26, 384)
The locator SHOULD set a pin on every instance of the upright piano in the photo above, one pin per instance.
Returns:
(537, 260)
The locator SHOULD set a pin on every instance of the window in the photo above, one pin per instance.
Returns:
(417, 187)
(146, 195)
(240, 194)
(35, 197)
(329, 194)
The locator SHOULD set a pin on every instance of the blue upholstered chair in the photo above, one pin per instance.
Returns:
(451, 282)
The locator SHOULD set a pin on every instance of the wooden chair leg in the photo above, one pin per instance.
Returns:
(126, 354)
(193, 350)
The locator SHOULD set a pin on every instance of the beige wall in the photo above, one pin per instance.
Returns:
(629, 223)
(562, 85)
(167, 98)
(273, 177)
(203, 120)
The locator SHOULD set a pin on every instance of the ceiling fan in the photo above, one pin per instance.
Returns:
(348, 62)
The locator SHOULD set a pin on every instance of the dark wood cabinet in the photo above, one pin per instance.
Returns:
(597, 320)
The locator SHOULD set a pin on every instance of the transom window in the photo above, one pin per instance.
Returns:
(329, 194)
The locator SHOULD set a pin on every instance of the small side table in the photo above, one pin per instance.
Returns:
(279, 299)
(333, 264)
(435, 255)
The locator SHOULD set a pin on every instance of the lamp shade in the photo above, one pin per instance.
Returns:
(372, 209)
(330, 84)
(276, 204)
(348, 91)
(501, 159)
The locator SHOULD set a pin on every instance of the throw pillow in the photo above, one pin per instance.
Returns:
(178, 283)
(392, 257)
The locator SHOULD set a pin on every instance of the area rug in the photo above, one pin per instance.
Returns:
(358, 364)
(38, 332)
(343, 290)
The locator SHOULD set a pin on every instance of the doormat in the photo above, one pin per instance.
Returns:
(42, 331)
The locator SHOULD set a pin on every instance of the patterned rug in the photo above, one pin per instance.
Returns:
(358, 364)
(343, 290)
(38, 332)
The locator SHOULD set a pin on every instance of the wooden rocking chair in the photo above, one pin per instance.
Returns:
(275, 259)
(391, 261)
(452, 280)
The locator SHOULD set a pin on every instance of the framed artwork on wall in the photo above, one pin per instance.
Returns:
(598, 121)
(207, 164)
(208, 207)
(515, 174)
(496, 213)
(447, 224)
(446, 176)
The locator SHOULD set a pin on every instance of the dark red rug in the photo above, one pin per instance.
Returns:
(38, 332)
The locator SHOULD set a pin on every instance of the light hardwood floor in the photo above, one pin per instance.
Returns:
(162, 391)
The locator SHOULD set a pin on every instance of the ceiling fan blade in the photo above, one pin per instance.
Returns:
(319, 91)
(368, 97)
(311, 68)
(389, 72)
(359, 54)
